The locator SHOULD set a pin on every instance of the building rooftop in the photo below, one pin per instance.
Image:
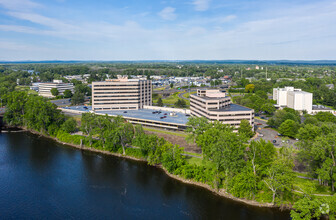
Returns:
(146, 114)
(209, 98)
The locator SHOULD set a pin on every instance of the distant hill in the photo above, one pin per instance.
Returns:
(258, 62)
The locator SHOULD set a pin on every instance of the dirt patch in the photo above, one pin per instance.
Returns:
(177, 140)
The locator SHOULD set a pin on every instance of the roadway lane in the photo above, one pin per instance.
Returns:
(61, 102)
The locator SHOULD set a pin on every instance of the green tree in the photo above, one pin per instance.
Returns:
(325, 117)
(88, 124)
(171, 85)
(69, 125)
(180, 103)
(77, 98)
(126, 133)
(245, 128)
(159, 102)
(289, 128)
(268, 108)
(54, 91)
(196, 127)
(249, 88)
(67, 93)
(279, 178)
(173, 158)
(261, 155)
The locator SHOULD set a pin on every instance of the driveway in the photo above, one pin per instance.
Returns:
(269, 134)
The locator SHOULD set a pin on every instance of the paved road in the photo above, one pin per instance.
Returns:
(61, 102)
(180, 95)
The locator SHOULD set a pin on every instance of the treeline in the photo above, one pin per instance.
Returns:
(258, 171)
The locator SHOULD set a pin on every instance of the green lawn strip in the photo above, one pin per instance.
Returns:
(193, 153)
(165, 132)
(186, 95)
(299, 183)
(199, 162)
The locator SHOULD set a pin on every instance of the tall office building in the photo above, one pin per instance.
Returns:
(45, 88)
(216, 106)
(293, 98)
(121, 94)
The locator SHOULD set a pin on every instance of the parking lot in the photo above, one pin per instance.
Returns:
(271, 135)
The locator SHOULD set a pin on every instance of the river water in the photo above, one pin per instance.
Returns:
(42, 179)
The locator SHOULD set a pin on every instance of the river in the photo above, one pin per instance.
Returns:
(42, 179)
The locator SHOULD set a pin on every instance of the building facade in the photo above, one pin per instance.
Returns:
(216, 106)
(293, 98)
(44, 89)
(121, 94)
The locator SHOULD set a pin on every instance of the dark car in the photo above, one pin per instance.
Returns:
(274, 141)
(125, 111)
(165, 114)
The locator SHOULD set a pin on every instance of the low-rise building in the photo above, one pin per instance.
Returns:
(293, 98)
(121, 94)
(216, 106)
(45, 88)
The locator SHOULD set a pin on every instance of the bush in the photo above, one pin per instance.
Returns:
(69, 125)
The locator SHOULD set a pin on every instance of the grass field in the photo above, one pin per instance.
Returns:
(186, 95)
(165, 132)
(25, 88)
(170, 100)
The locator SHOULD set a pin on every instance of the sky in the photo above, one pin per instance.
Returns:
(112, 30)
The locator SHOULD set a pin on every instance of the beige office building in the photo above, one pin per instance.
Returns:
(216, 106)
(121, 94)
(45, 88)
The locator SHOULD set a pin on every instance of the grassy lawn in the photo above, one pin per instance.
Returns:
(26, 88)
(186, 95)
(159, 89)
(199, 162)
(299, 183)
(165, 132)
(170, 100)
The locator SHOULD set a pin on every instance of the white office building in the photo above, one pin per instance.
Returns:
(293, 98)
(121, 94)
(45, 88)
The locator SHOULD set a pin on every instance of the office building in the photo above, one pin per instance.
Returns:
(293, 98)
(216, 106)
(121, 94)
(45, 88)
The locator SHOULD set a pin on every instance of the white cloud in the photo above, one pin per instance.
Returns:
(19, 5)
(168, 13)
(201, 5)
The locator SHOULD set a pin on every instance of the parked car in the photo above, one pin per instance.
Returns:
(261, 135)
(125, 111)
(274, 141)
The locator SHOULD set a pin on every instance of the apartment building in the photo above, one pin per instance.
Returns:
(121, 94)
(216, 106)
(293, 98)
(45, 88)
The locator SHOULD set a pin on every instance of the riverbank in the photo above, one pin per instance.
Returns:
(220, 192)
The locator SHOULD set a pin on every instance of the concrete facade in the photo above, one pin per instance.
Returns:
(293, 98)
(45, 88)
(121, 94)
(215, 106)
